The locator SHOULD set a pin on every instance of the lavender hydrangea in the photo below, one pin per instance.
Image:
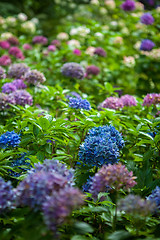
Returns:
(10, 139)
(128, 5)
(8, 87)
(79, 103)
(59, 206)
(101, 146)
(73, 70)
(100, 52)
(112, 103)
(7, 196)
(147, 19)
(21, 97)
(40, 40)
(112, 177)
(2, 73)
(136, 206)
(5, 100)
(34, 77)
(155, 198)
(147, 45)
(17, 70)
(151, 98)
(19, 84)
(128, 100)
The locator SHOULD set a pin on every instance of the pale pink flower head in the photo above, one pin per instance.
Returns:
(27, 46)
(112, 103)
(52, 48)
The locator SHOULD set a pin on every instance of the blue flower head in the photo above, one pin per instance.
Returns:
(9, 139)
(79, 103)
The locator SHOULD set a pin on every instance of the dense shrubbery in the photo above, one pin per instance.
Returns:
(80, 125)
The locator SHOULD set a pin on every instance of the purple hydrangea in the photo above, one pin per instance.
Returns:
(112, 103)
(5, 100)
(40, 40)
(73, 70)
(92, 70)
(56, 42)
(10, 139)
(155, 198)
(151, 98)
(5, 60)
(7, 196)
(79, 103)
(128, 5)
(128, 100)
(13, 41)
(59, 205)
(19, 84)
(100, 52)
(8, 87)
(101, 146)
(16, 52)
(52, 48)
(27, 46)
(2, 73)
(147, 45)
(113, 177)
(147, 19)
(21, 97)
(17, 70)
(77, 52)
(34, 77)
(135, 205)
(4, 45)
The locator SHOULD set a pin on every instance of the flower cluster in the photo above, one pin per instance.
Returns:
(128, 100)
(13, 86)
(40, 40)
(9, 139)
(100, 52)
(147, 19)
(34, 77)
(112, 103)
(13, 41)
(7, 196)
(21, 97)
(112, 177)
(2, 73)
(136, 206)
(147, 45)
(17, 70)
(155, 198)
(16, 52)
(20, 165)
(101, 146)
(128, 5)
(151, 98)
(5, 100)
(79, 103)
(73, 70)
(5, 60)
(4, 44)
(92, 70)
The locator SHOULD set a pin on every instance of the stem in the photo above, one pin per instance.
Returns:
(114, 219)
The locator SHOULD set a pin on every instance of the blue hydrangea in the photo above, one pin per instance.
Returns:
(79, 103)
(101, 146)
(9, 139)
(21, 164)
(155, 197)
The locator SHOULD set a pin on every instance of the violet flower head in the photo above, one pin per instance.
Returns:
(52, 48)
(147, 45)
(4, 45)
(136, 206)
(155, 198)
(79, 103)
(128, 5)
(151, 99)
(100, 52)
(34, 77)
(5, 100)
(114, 176)
(59, 206)
(56, 42)
(147, 19)
(21, 97)
(17, 70)
(92, 70)
(9, 139)
(5, 60)
(128, 100)
(8, 88)
(73, 70)
(40, 40)
(19, 84)
(2, 73)
(13, 41)
(112, 103)
(7, 196)
(16, 52)
(27, 46)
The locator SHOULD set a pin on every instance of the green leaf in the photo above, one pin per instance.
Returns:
(82, 227)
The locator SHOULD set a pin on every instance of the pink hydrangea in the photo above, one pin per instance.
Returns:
(4, 45)
(27, 46)
(16, 52)
(112, 103)
(151, 98)
(51, 48)
(128, 100)
(77, 52)
(5, 60)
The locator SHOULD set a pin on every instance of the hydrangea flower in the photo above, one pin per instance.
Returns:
(77, 52)
(52, 48)
(56, 42)
(5, 100)
(19, 84)
(79, 103)
(16, 52)
(22, 165)
(147, 19)
(7, 196)
(5, 60)
(147, 45)
(27, 46)
(9, 139)
(112, 177)
(100, 52)
(128, 5)
(135, 205)
(73, 70)
(155, 198)
(17, 70)
(13, 41)
(40, 40)
(4, 45)
(2, 73)
(34, 77)
(112, 103)
(92, 70)
(101, 146)
(8, 87)
(151, 98)
(128, 100)
(21, 97)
